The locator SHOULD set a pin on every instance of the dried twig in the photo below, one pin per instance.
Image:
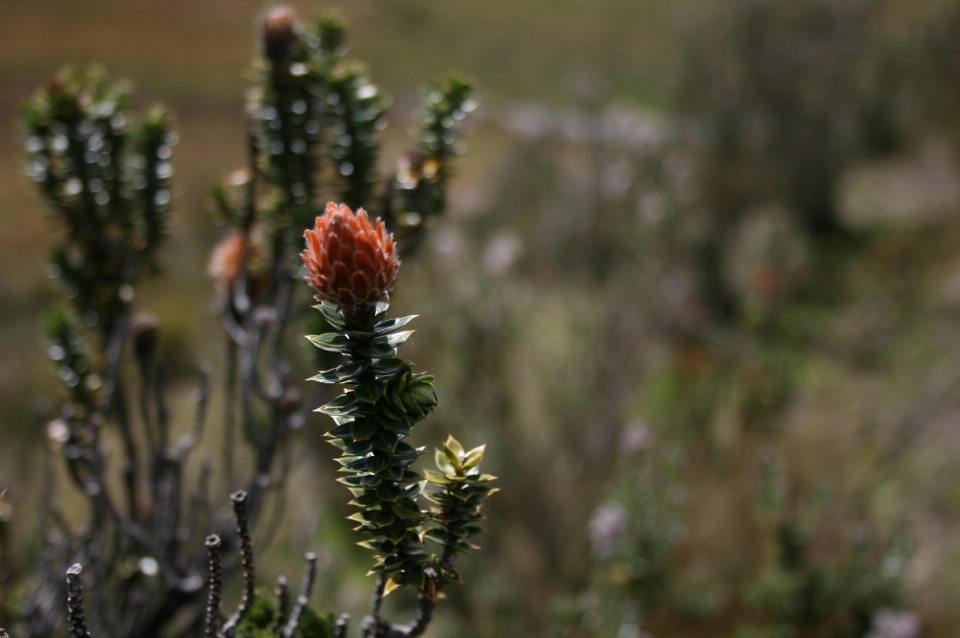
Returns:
(212, 617)
(282, 591)
(75, 616)
(239, 499)
(115, 401)
(309, 573)
(343, 622)
(372, 626)
(190, 441)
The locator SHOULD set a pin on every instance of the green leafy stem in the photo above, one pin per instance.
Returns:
(372, 420)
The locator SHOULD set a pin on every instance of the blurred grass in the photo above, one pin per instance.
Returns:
(522, 50)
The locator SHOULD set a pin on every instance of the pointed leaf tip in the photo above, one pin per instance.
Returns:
(454, 445)
(396, 582)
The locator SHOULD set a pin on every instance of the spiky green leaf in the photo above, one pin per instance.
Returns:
(364, 428)
(391, 325)
(331, 341)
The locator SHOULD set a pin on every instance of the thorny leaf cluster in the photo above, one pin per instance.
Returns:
(315, 119)
(372, 420)
(104, 174)
(418, 191)
(461, 494)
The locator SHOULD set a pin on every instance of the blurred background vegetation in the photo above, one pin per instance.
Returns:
(698, 287)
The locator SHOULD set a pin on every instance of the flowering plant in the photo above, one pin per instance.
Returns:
(352, 266)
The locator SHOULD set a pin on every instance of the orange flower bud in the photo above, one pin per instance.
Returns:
(227, 259)
(279, 30)
(350, 262)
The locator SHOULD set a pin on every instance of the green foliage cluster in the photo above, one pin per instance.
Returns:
(799, 584)
(316, 119)
(269, 616)
(796, 572)
(372, 420)
(104, 172)
(418, 192)
(460, 497)
(68, 351)
(359, 108)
